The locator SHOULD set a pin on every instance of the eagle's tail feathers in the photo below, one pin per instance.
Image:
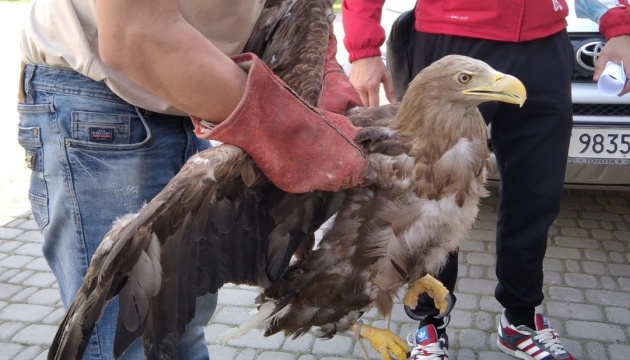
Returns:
(266, 314)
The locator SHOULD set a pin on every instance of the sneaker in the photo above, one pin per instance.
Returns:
(426, 345)
(525, 343)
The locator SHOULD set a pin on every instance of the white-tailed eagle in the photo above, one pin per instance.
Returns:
(220, 220)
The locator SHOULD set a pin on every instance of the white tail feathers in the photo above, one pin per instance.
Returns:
(261, 319)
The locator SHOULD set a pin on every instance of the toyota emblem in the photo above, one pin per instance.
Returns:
(588, 54)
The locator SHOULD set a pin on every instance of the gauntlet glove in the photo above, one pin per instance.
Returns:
(338, 94)
(298, 147)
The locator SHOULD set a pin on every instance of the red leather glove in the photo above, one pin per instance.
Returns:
(338, 94)
(298, 147)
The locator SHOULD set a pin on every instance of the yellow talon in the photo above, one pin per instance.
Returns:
(383, 340)
(431, 286)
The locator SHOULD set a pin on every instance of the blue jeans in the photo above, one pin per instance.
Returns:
(94, 158)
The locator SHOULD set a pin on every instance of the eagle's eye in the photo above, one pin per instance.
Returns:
(464, 78)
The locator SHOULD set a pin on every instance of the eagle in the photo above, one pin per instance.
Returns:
(423, 183)
(221, 220)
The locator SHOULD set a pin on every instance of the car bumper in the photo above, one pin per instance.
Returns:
(585, 176)
(594, 173)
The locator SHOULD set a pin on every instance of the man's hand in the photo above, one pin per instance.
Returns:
(367, 75)
(617, 49)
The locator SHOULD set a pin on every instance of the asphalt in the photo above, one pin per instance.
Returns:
(587, 270)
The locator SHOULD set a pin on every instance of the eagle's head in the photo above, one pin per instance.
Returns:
(441, 101)
(458, 79)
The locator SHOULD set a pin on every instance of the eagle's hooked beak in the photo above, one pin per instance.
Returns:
(503, 87)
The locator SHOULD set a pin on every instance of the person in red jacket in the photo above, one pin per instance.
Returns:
(528, 39)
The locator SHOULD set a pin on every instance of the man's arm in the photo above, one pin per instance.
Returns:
(594, 9)
(613, 17)
(299, 149)
(151, 43)
(363, 37)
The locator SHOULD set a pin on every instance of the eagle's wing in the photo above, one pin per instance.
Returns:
(382, 116)
(218, 220)
(291, 38)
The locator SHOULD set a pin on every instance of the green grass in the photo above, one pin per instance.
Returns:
(337, 6)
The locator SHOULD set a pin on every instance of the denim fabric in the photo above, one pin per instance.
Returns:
(94, 158)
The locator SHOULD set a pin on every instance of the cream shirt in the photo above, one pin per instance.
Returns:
(63, 33)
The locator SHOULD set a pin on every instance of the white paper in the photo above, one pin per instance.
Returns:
(613, 79)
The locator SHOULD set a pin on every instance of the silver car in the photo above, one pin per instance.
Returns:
(599, 153)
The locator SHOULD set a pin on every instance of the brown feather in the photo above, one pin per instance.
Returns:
(291, 38)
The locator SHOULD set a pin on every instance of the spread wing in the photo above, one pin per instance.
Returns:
(291, 38)
(218, 220)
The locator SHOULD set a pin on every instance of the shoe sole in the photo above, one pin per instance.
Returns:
(516, 353)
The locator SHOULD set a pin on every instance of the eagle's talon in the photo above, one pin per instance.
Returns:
(384, 341)
(436, 290)
(449, 306)
(414, 314)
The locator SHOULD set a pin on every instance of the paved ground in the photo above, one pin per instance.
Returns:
(587, 271)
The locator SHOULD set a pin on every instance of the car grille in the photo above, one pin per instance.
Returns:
(601, 109)
(579, 77)
(584, 48)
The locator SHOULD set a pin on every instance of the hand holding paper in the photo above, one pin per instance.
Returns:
(613, 79)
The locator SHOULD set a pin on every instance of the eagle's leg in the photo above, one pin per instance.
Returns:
(382, 340)
(436, 290)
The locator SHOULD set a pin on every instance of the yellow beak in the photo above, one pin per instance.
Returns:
(504, 88)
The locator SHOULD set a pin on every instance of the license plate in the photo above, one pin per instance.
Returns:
(598, 143)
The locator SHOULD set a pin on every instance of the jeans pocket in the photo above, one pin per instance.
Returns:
(107, 131)
(101, 128)
(30, 139)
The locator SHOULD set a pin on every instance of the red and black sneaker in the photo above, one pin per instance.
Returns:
(525, 343)
(426, 345)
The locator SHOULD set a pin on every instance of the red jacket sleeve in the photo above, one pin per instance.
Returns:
(616, 21)
(364, 34)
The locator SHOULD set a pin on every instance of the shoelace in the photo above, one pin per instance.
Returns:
(433, 351)
(549, 338)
